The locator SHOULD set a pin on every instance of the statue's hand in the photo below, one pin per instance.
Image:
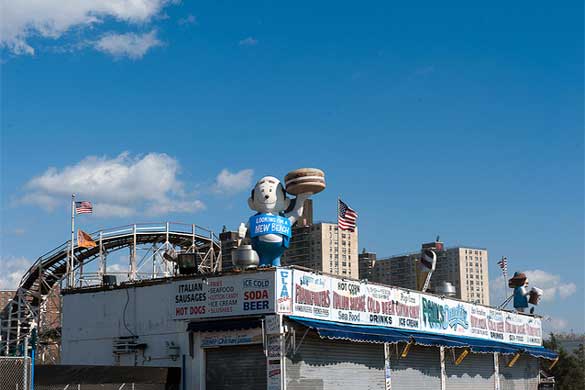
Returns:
(242, 230)
(303, 196)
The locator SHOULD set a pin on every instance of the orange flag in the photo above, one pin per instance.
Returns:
(84, 240)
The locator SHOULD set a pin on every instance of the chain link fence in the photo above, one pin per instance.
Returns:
(78, 377)
(106, 386)
(14, 373)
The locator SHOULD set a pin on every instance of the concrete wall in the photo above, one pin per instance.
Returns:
(93, 321)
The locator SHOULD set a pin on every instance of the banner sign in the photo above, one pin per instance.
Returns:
(312, 295)
(224, 296)
(237, 337)
(262, 224)
(341, 300)
(284, 291)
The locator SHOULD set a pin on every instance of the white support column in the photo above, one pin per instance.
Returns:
(387, 368)
(133, 254)
(167, 246)
(154, 251)
(25, 385)
(497, 371)
(8, 328)
(18, 317)
(212, 253)
(102, 270)
(71, 261)
(443, 371)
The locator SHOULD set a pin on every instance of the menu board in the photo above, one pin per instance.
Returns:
(223, 296)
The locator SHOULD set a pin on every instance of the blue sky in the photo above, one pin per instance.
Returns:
(428, 119)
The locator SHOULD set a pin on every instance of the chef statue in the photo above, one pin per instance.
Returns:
(522, 295)
(270, 228)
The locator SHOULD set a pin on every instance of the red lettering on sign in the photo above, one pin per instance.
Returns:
(254, 295)
(197, 310)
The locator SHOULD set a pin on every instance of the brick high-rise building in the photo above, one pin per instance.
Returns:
(229, 242)
(366, 264)
(464, 267)
(322, 246)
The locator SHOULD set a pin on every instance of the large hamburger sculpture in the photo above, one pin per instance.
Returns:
(270, 229)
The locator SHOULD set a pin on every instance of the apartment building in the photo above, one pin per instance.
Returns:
(464, 267)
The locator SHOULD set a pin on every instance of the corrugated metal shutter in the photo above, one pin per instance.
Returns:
(523, 376)
(335, 364)
(239, 367)
(475, 372)
(421, 369)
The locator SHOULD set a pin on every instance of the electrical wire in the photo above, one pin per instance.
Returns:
(124, 313)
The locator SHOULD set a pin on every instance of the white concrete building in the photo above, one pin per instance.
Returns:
(284, 328)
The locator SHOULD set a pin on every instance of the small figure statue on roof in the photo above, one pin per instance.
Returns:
(522, 295)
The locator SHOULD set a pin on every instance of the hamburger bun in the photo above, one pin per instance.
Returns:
(305, 180)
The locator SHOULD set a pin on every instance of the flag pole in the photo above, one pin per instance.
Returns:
(505, 276)
(70, 274)
(338, 235)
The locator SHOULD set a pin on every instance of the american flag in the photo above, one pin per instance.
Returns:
(504, 266)
(83, 207)
(346, 217)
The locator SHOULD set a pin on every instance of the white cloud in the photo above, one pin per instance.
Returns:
(13, 268)
(555, 325)
(551, 285)
(228, 182)
(25, 19)
(190, 19)
(120, 186)
(248, 42)
(567, 290)
(112, 210)
(129, 45)
(120, 271)
(176, 206)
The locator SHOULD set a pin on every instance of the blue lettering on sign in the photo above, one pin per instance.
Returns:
(257, 305)
(283, 278)
(263, 224)
(456, 316)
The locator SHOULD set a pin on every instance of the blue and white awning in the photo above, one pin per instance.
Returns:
(379, 334)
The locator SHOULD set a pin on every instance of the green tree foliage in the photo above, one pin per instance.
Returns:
(569, 372)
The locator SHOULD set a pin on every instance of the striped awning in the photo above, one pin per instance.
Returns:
(379, 334)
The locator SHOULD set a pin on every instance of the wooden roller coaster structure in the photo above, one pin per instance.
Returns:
(36, 303)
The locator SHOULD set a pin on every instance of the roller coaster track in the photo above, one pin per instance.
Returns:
(29, 305)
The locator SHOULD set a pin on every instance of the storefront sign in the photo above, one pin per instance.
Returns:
(444, 316)
(236, 337)
(312, 295)
(224, 296)
(520, 329)
(272, 324)
(274, 374)
(336, 299)
(284, 290)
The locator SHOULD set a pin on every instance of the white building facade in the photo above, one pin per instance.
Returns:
(286, 328)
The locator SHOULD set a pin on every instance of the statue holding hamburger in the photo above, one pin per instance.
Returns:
(270, 229)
